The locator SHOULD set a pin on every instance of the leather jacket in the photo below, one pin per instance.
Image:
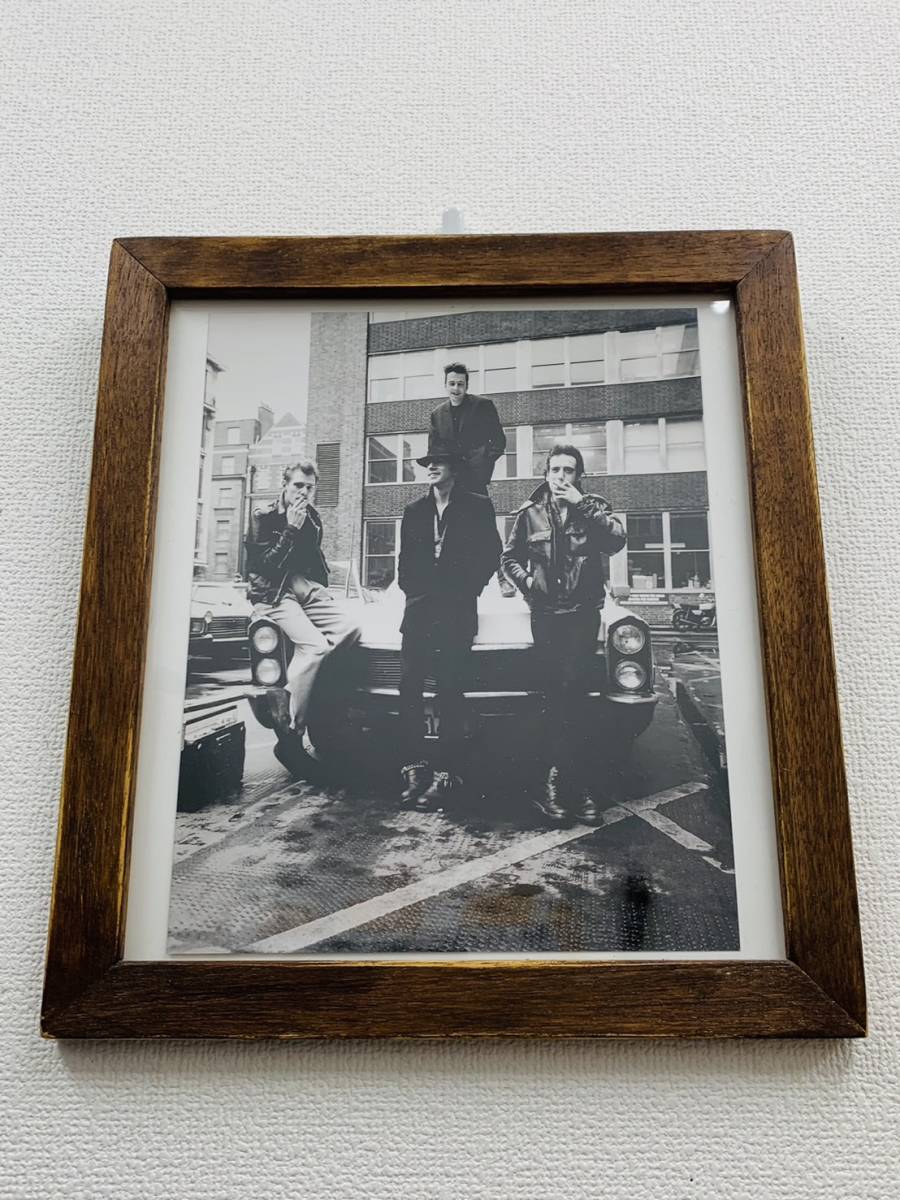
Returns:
(277, 553)
(562, 568)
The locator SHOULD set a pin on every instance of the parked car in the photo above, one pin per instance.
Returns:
(504, 689)
(220, 618)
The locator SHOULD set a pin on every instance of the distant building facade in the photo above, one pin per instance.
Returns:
(278, 445)
(205, 474)
(230, 492)
(335, 426)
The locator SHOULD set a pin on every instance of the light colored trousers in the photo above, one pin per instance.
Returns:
(316, 624)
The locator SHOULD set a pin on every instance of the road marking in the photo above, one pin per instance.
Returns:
(688, 840)
(303, 936)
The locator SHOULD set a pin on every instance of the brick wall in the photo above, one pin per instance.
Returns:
(336, 413)
(474, 328)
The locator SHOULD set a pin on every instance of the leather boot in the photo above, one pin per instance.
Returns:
(417, 778)
(550, 804)
(585, 809)
(442, 792)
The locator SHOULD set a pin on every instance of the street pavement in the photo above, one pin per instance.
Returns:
(285, 866)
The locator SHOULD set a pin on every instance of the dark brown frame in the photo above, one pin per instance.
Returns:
(817, 991)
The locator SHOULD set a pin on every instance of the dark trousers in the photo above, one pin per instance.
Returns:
(442, 649)
(564, 644)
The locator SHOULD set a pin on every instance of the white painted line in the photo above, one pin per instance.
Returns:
(304, 936)
(688, 840)
(657, 799)
(714, 862)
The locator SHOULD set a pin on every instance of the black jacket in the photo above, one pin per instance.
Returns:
(469, 556)
(568, 566)
(277, 551)
(481, 438)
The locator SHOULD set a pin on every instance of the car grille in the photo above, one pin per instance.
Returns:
(490, 671)
(229, 626)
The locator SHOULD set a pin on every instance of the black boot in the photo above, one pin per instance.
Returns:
(289, 752)
(417, 779)
(444, 790)
(585, 809)
(550, 804)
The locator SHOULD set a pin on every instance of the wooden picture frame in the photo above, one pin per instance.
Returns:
(816, 991)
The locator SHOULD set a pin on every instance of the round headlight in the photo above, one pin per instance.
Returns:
(628, 639)
(268, 670)
(265, 639)
(631, 676)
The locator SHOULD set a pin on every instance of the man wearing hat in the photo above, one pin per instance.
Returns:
(449, 549)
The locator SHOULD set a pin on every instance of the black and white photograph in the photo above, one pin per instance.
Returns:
(453, 680)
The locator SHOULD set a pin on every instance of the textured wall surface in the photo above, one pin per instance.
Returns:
(123, 117)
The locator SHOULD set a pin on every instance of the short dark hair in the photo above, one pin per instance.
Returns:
(459, 368)
(306, 465)
(572, 451)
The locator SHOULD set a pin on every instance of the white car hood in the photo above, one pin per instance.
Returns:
(502, 620)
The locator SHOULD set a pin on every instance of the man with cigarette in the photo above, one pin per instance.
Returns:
(557, 555)
(288, 576)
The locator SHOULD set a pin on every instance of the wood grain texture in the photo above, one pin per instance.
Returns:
(818, 992)
(818, 882)
(462, 999)
(469, 264)
(87, 916)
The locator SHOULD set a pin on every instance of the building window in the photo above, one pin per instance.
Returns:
(587, 356)
(667, 444)
(663, 353)
(684, 445)
(668, 551)
(507, 465)
(226, 496)
(499, 369)
(233, 435)
(223, 529)
(568, 361)
(418, 376)
(228, 465)
(222, 563)
(689, 538)
(576, 360)
(588, 436)
(380, 553)
(548, 365)
(391, 458)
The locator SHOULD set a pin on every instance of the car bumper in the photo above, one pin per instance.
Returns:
(201, 646)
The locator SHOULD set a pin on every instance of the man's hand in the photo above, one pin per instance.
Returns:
(296, 513)
(567, 493)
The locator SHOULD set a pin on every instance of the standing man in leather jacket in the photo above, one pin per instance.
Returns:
(449, 548)
(288, 577)
(558, 557)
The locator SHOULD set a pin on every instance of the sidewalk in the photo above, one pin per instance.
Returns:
(698, 689)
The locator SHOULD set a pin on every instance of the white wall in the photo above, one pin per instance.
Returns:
(125, 117)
